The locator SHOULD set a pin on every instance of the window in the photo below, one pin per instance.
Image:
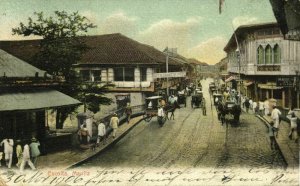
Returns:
(85, 75)
(96, 74)
(268, 56)
(118, 74)
(129, 74)
(260, 55)
(277, 56)
(124, 74)
(143, 72)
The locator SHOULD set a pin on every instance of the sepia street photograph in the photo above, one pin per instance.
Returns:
(149, 92)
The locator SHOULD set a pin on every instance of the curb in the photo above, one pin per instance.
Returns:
(279, 149)
(106, 147)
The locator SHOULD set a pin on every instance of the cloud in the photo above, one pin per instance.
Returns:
(209, 51)
(170, 33)
(118, 22)
(244, 20)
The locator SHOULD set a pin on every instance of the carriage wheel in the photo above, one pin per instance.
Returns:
(147, 117)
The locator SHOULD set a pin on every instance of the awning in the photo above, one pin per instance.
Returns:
(230, 79)
(247, 83)
(34, 100)
(270, 86)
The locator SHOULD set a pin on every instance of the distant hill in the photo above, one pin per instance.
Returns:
(192, 60)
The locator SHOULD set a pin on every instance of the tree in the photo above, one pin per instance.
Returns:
(61, 48)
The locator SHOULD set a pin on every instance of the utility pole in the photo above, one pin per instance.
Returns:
(167, 71)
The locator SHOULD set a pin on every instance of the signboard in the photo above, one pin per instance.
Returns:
(169, 74)
(285, 82)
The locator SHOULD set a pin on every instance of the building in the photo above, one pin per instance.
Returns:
(267, 63)
(26, 93)
(115, 58)
(221, 67)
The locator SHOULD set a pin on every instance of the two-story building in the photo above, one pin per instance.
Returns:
(267, 64)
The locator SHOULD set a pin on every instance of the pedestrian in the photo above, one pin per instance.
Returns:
(160, 116)
(247, 105)
(271, 132)
(275, 115)
(267, 108)
(19, 153)
(114, 122)
(34, 150)
(203, 106)
(83, 134)
(162, 103)
(8, 151)
(261, 107)
(254, 107)
(26, 159)
(128, 112)
(101, 133)
(243, 101)
(293, 121)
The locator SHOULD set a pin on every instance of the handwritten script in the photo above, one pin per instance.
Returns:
(147, 176)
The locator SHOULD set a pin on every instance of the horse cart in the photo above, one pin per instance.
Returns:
(153, 103)
(229, 112)
(197, 99)
(182, 99)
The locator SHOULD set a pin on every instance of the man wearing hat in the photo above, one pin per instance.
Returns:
(34, 148)
(114, 122)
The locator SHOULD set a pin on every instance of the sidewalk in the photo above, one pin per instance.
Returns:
(72, 157)
(288, 148)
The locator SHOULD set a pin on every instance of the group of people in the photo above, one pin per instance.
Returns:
(23, 152)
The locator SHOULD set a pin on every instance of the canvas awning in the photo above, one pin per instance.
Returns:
(270, 86)
(248, 83)
(230, 79)
(34, 100)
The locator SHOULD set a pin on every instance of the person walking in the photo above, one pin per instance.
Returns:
(19, 153)
(267, 108)
(160, 115)
(261, 108)
(293, 121)
(247, 105)
(101, 133)
(128, 112)
(26, 159)
(275, 115)
(114, 122)
(251, 103)
(254, 107)
(203, 106)
(271, 133)
(34, 150)
(83, 135)
(8, 151)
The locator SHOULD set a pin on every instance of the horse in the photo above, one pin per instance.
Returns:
(171, 108)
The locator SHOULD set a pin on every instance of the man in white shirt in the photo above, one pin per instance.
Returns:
(160, 115)
(8, 151)
(254, 106)
(101, 133)
(26, 159)
(261, 107)
(275, 117)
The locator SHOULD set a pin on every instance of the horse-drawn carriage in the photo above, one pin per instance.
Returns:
(216, 98)
(197, 99)
(229, 112)
(181, 99)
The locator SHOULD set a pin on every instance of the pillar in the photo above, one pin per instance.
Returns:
(267, 94)
(283, 98)
(298, 99)
(272, 93)
(290, 97)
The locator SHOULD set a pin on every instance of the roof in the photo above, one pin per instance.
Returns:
(154, 97)
(14, 67)
(34, 100)
(103, 49)
(243, 28)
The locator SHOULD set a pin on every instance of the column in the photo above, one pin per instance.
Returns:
(267, 94)
(298, 99)
(283, 98)
(290, 97)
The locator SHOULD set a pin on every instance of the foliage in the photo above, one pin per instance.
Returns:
(61, 48)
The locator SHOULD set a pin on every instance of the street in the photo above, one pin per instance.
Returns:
(193, 140)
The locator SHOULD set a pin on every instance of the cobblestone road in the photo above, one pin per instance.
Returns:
(193, 140)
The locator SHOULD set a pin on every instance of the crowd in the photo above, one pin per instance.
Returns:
(22, 153)
(269, 108)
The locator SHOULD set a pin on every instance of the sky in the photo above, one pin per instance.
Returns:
(194, 27)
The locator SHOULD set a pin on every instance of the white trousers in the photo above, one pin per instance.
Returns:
(24, 161)
(8, 158)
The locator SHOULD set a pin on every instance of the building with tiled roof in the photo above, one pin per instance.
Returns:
(115, 58)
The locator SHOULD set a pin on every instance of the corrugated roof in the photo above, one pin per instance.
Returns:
(15, 67)
(34, 99)
(103, 49)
